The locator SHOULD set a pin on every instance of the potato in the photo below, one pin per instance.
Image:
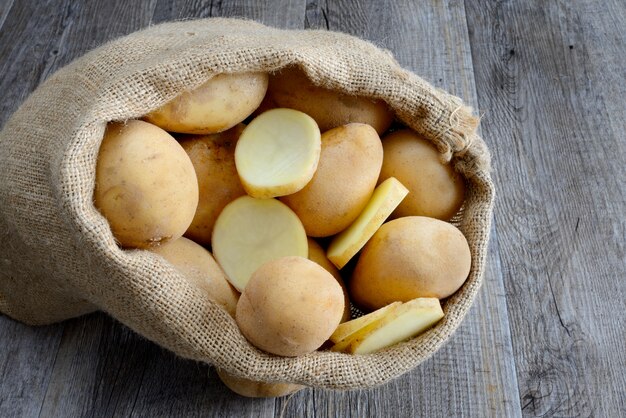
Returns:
(217, 105)
(213, 158)
(436, 190)
(202, 271)
(396, 324)
(254, 389)
(343, 183)
(291, 88)
(345, 330)
(250, 232)
(410, 258)
(277, 153)
(385, 199)
(318, 255)
(290, 306)
(145, 185)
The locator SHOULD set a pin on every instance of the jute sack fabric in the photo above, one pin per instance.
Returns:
(58, 258)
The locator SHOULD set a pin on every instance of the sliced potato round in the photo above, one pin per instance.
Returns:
(219, 104)
(250, 232)
(278, 152)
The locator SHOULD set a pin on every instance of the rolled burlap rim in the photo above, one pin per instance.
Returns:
(58, 257)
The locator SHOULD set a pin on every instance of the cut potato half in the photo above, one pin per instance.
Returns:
(250, 232)
(278, 152)
(346, 329)
(405, 321)
(385, 199)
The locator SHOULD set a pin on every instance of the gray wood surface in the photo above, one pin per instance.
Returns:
(546, 336)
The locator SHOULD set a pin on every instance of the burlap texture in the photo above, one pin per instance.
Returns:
(58, 258)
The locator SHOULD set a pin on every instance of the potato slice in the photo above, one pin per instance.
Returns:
(385, 199)
(406, 321)
(250, 232)
(278, 152)
(346, 329)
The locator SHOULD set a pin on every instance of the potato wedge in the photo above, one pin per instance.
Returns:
(385, 199)
(250, 232)
(345, 330)
(405, 321)
(277, 153)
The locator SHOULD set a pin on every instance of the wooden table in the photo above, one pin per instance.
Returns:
(547, 334)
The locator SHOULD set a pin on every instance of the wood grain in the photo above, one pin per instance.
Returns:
(554, 129)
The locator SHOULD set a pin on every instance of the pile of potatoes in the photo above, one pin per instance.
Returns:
(266, 191)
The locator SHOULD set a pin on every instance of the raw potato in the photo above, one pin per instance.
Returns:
(409, 258)
(318, 255)
(290, 306)
(213, 158)
(436, 190)
(344, 331)
(398, 324)
(254, 389)
(346, 176)
(277, 153)
(291, 88)
(199, 267)
(250, 232)
(145, 184)
(385, 199)
(217, 105)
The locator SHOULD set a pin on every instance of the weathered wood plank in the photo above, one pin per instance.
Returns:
(287, 14)
(5, 7)
(550, 78)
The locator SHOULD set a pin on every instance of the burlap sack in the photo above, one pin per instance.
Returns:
(58, 258)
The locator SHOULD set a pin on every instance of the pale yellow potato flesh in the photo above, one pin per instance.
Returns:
(146, 186)
(217, 105)
(277, 153)
(405, 321)
(346, 329)
(250, 232)
(386, 197)
(201, 270)
(254, 389)
(318, 255)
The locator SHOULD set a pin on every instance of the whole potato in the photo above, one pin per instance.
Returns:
(290, 306)
(145, 184)
(254, 389)
(345, 179)
(410, 258)
(291, 88)
(202, 271)
(435, 189)
(217, 105)
(213, 158)
(318, 255)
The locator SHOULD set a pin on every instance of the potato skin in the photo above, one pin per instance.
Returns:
(409, 258)
(145, 185)
(318, 255)
(217, 105)
(202, 271)
(435, 189)
(213, 158)
(253, 389)
(291, 88)
(290, 306)
(345, 179)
